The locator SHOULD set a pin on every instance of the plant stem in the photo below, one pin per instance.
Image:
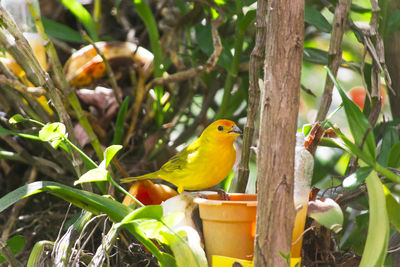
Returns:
(146, 15)
(64, 84)
(23, 54)
(334, 55)
(109, 71)
(254, 95)
(111, 180)
(232, 74)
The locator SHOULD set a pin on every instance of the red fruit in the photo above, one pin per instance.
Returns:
(148, 193)
(357, 94)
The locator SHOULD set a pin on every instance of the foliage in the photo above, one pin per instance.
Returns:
(200, 72)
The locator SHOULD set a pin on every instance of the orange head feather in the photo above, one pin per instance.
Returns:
(221, 131)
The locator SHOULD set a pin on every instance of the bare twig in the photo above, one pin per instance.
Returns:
(109, 71)
(334, 54)
(64, 84)
(8, 255)
(23, 54)
(254, 95)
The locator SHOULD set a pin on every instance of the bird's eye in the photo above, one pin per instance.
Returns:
(220, 128)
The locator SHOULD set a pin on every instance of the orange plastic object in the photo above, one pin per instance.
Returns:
(148, 193)
(229, 226)
(357, 94)
(85, 65)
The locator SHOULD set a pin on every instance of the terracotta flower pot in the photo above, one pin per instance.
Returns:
(229, 226)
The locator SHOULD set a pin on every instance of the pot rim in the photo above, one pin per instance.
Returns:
(216, 202)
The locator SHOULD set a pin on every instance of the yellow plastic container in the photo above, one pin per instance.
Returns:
(221, 261)
(229, 226)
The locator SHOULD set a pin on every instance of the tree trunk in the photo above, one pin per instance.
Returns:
(278, 123)
(392, 50)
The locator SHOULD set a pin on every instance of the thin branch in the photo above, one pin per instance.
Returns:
(256, 58)
(334, 54)
(109, 71)
(64, 84)
(23, 54)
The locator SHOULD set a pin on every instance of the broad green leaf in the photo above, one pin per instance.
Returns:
(374, 253)
(314, 17)
(53, 133)
(315, 55)
(357, 178)
(390, 138)
(16, 244)
(110, 152)
(352, 149)
(61, 31)
(305, 129)
(93, 175)
(154, 212)
(36, 256)
(204, 38)
(16, 119)
(119, 125)
(358, 123)
(393, 208)
(393, 159)
(81, 13)
(89, 201)
(356, 239)
(93, 203)
(188, 253)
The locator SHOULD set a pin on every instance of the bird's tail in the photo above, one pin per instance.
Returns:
(148, 176)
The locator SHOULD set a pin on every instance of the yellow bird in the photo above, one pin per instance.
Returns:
(202, 164)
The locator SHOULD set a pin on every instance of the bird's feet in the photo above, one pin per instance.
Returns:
(222, 193)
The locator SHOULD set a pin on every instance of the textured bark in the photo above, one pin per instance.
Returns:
(335, 55)
(278, 123)
(392, 52)
(254, 95)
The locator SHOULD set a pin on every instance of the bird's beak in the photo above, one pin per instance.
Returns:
(235, 130)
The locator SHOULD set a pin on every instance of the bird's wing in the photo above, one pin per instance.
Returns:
(181, 159)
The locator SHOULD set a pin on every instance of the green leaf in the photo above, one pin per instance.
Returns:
(89, 201)
(61, 31)
(393, 159)
(95, 204)
(357, 178)
(53, 133)
(147, 212)
(315, 55)
(93, 175)
(188, 253)
(28, 136)
(119, 125)
(39, 251)
(390, 138)
(358, 123)
(393, 208)
(16, 244)
(81, 13)
(374, 253)
(314, 17)
(16, 119)
(110, 152)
